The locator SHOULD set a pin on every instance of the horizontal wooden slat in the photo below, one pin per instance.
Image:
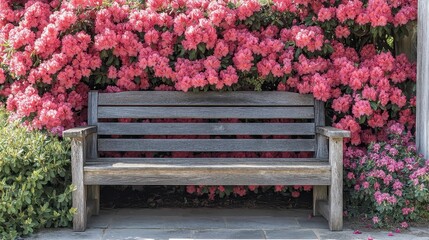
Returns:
(316, 173)
(207, 112)
(206, 145)
(249, 98)
(210, 161)
(206, 129)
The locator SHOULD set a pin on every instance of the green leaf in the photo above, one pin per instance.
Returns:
(110, 60)
(193, 54)
(182, 51)
(298, 53)
(117, 62)
(374, 105)
(202, 48)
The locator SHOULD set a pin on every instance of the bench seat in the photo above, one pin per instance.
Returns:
(207, 171)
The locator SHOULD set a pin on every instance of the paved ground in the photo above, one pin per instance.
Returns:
(138, 224)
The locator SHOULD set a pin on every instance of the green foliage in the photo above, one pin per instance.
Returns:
(35, 188)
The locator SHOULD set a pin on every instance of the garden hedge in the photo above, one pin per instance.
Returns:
(35, 180)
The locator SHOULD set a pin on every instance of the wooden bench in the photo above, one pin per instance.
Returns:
(89, 171)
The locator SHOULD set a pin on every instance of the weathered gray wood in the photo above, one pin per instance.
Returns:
(319, 193)
(90, 208)
(79, 195)
(332, 132)
(210, 161)
(261, 178)
(336, 189)
(93, 120)
(249, 98)
(79, 132)
(206, 129)
(422, 116)
(210, 171)
(92, 107)
(94, 191)
(206, 145)
(319, 120)
(240, 174)
(322, 207)
(91, 152)
(207, 112)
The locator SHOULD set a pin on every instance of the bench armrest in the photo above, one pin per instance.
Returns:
(333, 132)
(79, 132)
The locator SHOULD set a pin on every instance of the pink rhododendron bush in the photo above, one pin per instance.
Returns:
(341, 51)
(390, 181)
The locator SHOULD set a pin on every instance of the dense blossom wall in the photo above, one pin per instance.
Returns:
(53, 52)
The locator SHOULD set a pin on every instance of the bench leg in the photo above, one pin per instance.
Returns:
(331, 210)
(79, 195)
(336, 188)
(94, 196)
(335, 208)
(319, 193)
(81, 215)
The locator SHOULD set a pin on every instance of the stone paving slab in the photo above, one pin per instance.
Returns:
(376, 235)
(264, 222)
(312, 223)
(155, 234)
(290, 234)
(196, 222)
(229, 234)
(68, 234)
(211, 223)
(139, 221)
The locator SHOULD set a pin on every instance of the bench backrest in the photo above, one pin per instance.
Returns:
(106, 108)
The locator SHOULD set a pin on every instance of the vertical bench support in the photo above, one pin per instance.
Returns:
(79, 195)
(93, 190)
(332, 208)
(320, 193)
(336, 189)
(80, 145)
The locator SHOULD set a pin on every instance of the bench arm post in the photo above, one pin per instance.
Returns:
(79, 147)
(336, 189)
(80, 132)
(81, 140)
(334, 207)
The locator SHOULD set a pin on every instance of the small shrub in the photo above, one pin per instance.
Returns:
(35, 188)
(390, 181)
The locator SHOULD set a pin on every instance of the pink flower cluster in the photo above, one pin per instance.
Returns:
(390, 177)
(200, 45)
(43, 57)
(242, 191)
(377, 12)
(372, 89)
(53, 52)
